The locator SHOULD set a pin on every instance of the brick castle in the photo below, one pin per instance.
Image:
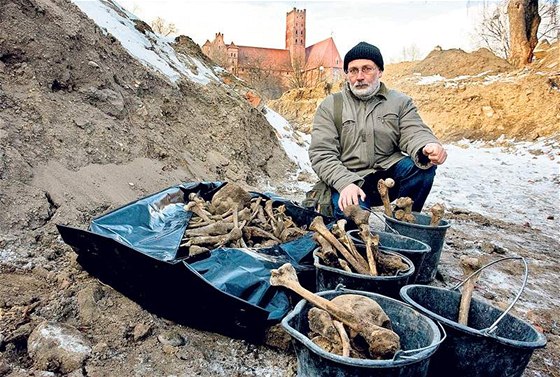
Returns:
(319, 62)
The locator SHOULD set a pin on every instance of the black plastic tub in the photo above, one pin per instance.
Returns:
(419, 336)
(328, 278)
(434, 236)
(469, 351)
(414, 250)
(172, 290)
(136, 249)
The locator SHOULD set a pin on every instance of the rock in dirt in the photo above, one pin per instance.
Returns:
(58, 347)
(87, 300)
(141, 331)
(171, 338)
(277, 337)
(4, 369)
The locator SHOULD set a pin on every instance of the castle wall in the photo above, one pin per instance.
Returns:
(250, 63)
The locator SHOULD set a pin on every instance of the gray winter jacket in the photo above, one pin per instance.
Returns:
(375, 135)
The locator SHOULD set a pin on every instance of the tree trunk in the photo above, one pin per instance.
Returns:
(524, 21)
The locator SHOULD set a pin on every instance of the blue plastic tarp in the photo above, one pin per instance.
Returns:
(155, 226)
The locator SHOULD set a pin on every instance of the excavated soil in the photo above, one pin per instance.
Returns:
(86, 128)
(476, 96)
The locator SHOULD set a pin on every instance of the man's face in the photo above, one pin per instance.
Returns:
(363, 76)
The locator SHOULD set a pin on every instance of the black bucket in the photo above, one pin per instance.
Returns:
(409, 247)
(328, 278)
(434, 236)
(481, 349)
(419, 337)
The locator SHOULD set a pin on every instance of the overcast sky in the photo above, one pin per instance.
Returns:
(391, 25)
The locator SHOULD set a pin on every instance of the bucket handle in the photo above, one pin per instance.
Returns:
(494, 326)
(411, 354)
(380, 218)
(408, 354)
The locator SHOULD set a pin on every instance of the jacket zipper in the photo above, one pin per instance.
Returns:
(363, 131)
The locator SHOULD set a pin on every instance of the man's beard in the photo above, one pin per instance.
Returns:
(364, 91)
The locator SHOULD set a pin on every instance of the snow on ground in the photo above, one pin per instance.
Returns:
(428, 80)
(152, 50)
(295, 143)
(485, 79)
(518, 183)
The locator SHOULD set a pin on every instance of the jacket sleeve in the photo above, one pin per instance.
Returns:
(325, 149)
(415, 134)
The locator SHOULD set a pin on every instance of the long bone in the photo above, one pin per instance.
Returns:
(318, 226)
(361, 219)
(383, 187)
(327, 253)
(214, 229)
(469, 265)
(437, 211)
(362, 315)
(348, 243)
(343, 338)
(221, 240)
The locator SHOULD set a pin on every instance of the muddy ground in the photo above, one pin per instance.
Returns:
(45, 283)
(84, 128)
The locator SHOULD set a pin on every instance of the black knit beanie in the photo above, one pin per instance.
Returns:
(364, 50)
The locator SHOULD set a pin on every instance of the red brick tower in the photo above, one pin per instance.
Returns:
(295, 37)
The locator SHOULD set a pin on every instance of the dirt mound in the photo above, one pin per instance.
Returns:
(298, 106)
(521, 104)
(72, 95)
(547, 56)
(463, 95)
(85, 127)
(456, 62)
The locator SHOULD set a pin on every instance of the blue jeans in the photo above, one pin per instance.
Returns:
(410, 181)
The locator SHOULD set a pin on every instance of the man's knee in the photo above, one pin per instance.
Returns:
(407, 169)
(429, 173)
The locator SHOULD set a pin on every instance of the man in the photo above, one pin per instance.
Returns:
(381, 136)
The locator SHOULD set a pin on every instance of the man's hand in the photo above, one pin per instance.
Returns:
(435, 153)
(351, 195)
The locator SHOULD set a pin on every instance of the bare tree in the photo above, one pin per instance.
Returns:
(524, 23)
(549, 28)
(160, 26)
(493, 30)
(410, 53)
(297, 76)
(258, 74)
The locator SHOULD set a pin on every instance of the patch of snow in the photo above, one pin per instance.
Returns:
(514, 183)
(428, 80)
(295, 143)
(65, 341)
(485, 79)
(7, 255)
(152, 50)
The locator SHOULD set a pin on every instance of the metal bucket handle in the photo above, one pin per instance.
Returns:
(494, 326)
(380, 218)
(408, 354)
(411, 354)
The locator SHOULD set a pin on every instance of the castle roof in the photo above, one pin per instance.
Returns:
(324, 54)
